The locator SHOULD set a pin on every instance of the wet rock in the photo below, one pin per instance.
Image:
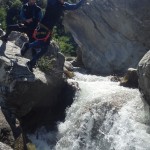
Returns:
(68, 66)
(130, 79)
(78, 61)
(115, 78)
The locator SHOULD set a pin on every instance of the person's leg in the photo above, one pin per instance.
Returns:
(32, 45)
(37, 44)
(44, 49)
(26, 46)
(31, 39)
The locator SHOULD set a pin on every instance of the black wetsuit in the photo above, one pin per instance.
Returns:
(54, 11)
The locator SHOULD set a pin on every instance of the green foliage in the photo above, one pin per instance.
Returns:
(65, 40)
(9, 12)
(45, 64)
(3, 17)
(13, 12)
(16, 5)
(66, 45)
(42, 3)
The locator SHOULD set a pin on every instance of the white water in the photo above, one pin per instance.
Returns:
(103, 116)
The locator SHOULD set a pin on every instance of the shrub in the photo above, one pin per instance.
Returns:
(46, 64)
(3, 18)
(13, 12)
(65, 41)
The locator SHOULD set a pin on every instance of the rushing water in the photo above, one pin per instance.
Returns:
(103, 116)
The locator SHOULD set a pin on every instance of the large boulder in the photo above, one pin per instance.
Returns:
(130, 79)
(112, 34)
(11, 133)
(6, 134)
(144, 76)
(27, 93)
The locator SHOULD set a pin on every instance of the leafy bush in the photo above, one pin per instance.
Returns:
(3, 18)
(13, 12)
(9, 12)
(46, 64)
(65, 41)
(66, 46)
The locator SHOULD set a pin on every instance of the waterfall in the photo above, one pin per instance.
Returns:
(103, 116)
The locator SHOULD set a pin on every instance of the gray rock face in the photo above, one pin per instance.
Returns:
(27, 92)
(18, 38)
(144, 76)
(4, 146)
(113, 34)
(6, 134)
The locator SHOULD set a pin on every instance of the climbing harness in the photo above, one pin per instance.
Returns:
(41, 33)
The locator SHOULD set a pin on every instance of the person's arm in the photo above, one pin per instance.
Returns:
(40, 15)
(68, 6)
(51, 2)
(22, 15)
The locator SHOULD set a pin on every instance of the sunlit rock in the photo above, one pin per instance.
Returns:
(112, 34)
(144, 76)
(18, 38)
(4, 146)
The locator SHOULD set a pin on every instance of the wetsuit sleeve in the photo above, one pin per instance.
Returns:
(68, 6)
(51, 2)
(40, 15)
(22, 15)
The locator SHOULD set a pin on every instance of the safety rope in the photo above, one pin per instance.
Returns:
(35, 33)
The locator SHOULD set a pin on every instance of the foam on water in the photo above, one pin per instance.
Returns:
(103, 116)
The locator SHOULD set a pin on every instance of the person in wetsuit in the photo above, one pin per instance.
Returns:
(53, 13)
(30, 16)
